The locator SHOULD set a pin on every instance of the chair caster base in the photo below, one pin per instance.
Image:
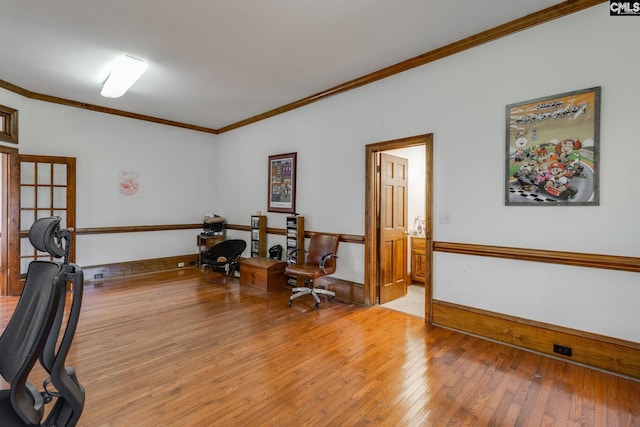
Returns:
(317, 305)
(290, 303)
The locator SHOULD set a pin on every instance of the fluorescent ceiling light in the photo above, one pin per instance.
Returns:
(126, 70)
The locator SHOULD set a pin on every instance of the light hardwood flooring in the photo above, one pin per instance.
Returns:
(171, 350)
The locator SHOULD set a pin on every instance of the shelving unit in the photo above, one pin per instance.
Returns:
(295, 240)
(258, 236)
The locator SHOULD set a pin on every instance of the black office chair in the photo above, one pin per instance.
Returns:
(46, 236)
(321, 261)
(223, 258)
(33, 333)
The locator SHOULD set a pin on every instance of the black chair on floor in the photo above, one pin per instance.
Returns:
(33, 333)
(68, 394)
(223, 258)
(321, 261)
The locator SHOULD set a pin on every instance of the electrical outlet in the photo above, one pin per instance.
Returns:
(98, 276)
(181, 264)
(563, 350)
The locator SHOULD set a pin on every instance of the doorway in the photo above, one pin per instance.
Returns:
(33, 187)
(374, 271)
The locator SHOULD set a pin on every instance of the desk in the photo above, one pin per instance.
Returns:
(263, 273)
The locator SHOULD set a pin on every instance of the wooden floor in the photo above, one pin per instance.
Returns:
(172, 350)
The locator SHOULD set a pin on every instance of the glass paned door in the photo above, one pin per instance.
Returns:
(47, 188)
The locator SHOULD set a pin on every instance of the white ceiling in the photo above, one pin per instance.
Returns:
(213, 63)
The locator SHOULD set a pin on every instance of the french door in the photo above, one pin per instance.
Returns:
(38, 187)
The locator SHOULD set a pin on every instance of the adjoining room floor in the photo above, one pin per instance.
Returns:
(412, 303)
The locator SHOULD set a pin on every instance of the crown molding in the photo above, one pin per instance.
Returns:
(545, 15)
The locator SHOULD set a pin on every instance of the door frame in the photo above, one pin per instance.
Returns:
(8, 155)
(372, 216)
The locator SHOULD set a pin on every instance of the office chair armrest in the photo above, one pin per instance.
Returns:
(291, 252)
(324, 259)
(36, 398)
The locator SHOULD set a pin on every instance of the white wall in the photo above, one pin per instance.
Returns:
(176, 168)
(462, 99)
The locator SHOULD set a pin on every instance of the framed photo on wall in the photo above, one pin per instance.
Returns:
(552, 150)
(282, 183)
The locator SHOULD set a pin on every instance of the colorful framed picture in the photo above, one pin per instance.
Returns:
(282, 183)
(552, 150)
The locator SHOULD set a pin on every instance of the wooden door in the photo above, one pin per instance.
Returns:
(40, 187)
(393, 227)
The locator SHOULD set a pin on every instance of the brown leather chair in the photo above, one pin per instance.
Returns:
(321, 261)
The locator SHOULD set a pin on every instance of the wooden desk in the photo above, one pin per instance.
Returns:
(263, 273)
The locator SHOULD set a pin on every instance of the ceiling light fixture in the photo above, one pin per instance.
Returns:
(126, 70)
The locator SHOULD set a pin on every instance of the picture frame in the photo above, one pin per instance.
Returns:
(281, 196)
(553, 150)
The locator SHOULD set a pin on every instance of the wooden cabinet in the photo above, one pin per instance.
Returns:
(418, 260)
(259, 235)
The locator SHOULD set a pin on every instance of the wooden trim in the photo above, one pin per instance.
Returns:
(348, 238)
(531, 20)
(13, 226)
(609, 262)
(70, 103)
(428, 197)
(119, 270)
(345, 290)
(136, 228)
(554, 12)
(8, 150)
(611, 354)
(4, 225)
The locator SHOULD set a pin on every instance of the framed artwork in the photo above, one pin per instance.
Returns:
(552, 150)
(282, 183)
(129, 183)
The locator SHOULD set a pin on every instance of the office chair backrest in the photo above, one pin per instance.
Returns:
(26, 333)
(46, 236)
(229, 249)
(319, 246)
